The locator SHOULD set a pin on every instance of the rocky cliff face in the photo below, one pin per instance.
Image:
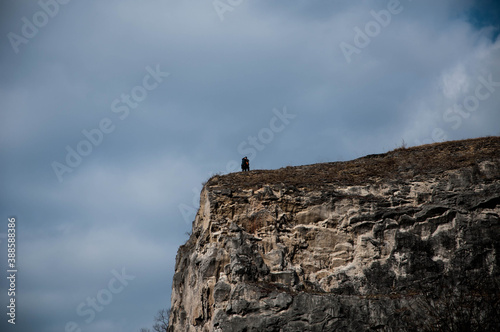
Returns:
(404, 241)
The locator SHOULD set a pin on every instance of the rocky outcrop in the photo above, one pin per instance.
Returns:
(404, 241)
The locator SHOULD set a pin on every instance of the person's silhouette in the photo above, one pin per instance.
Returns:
(245, 165)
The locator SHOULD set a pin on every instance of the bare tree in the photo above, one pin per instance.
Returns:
(467, 299)
(161, 320)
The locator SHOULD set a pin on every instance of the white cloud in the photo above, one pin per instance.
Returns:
(455, 82)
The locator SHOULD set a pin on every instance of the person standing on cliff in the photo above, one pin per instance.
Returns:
(245, 164)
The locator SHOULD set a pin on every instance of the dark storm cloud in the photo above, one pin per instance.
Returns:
(122, 204)
(485, 13)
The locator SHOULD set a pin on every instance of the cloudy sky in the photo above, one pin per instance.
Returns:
(113, 113)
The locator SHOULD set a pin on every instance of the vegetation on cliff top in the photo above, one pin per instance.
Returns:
(399, 164)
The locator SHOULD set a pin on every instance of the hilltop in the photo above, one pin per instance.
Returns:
(400, 164)
(408, 240)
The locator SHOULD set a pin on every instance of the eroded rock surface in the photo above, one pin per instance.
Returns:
(410, 253)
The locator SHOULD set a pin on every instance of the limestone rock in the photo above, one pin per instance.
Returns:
(320, 248)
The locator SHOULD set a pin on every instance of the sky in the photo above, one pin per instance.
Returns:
(114, 113)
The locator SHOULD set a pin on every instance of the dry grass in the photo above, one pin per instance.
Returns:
(399, 164)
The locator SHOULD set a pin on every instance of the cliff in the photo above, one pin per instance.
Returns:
(408, 240)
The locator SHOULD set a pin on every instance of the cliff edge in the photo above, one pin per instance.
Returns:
(408, 240)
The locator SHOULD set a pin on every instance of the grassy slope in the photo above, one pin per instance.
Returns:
(400, 164)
